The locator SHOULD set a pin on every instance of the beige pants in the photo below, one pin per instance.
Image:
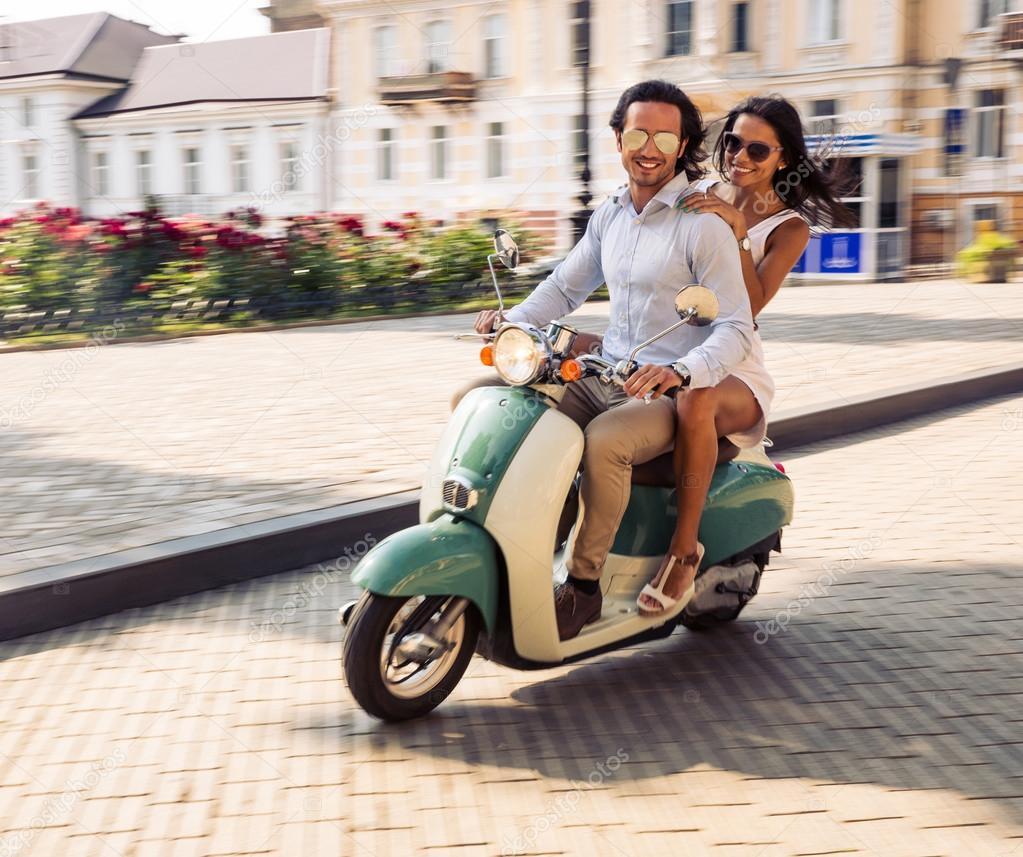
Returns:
(620, 431)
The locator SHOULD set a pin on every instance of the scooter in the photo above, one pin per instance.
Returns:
(477, 573)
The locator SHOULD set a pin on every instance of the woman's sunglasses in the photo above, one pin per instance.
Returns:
(635, 139)
(758, 152)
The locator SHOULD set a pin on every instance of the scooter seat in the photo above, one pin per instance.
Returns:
(659, 472)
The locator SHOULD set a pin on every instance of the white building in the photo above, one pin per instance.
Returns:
(49, 71)
(100, 114)
(211, 127)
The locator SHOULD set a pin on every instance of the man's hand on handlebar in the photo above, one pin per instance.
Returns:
(656, 380)
(487, 320)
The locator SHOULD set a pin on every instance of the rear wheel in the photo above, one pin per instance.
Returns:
(386, 679)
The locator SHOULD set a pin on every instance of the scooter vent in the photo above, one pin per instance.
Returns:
(458, 497)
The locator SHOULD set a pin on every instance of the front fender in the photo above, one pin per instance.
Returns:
(448, 556)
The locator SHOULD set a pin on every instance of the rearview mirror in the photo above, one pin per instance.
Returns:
(696, 305)
(506, 249)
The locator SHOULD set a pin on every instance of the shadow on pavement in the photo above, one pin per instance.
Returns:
(913, 683)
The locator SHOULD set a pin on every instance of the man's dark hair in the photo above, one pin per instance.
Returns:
(692, 130)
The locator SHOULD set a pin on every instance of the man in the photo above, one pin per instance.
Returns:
(645, 249)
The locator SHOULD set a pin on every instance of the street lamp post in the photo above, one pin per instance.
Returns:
(581, 31)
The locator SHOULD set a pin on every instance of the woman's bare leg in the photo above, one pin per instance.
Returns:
(704, 416)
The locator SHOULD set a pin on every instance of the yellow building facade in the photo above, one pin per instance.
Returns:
(471, 109)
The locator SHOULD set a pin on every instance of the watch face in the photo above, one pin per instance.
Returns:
(745, 243)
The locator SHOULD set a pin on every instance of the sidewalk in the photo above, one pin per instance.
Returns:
(110, 448)
(867, 702)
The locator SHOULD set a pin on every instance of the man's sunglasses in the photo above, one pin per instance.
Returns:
(635, 139)
(758, 152)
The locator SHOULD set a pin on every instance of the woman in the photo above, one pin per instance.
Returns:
(771, 190)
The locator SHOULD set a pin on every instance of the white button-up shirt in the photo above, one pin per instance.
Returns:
(645, 258)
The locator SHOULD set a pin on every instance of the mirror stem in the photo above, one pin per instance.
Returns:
(684, 319)
(493, 275)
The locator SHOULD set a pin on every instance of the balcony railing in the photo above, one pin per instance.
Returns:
(1011, 35)
(446, 87)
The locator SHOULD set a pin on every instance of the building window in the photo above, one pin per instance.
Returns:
(740, 28)
(385, 51)
(579, 140)
(582, 32)
(30, 174)
(193, 165)
(289, 166)
(100, 174)
(989, 133)
(28, 111)
(144, 172)
(955, 140)
(385, 154)
(825, 21)
(438, 46)
(240, 169)
(495, 63)
(824, 116)
(988, 12)
(495, 150)
(439, 152)
(888, 197)
(680, 28)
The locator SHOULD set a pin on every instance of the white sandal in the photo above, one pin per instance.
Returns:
(657, 593)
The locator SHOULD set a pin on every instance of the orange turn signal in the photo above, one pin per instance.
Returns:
(571, 370)
(487, 355)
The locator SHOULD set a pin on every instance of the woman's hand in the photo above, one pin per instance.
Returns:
(659, 379)
(702, 203)
(486, 321)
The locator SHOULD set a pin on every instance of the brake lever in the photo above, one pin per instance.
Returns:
(464, 336)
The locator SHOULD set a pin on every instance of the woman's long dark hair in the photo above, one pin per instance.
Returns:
(804, 185)
(693, 130)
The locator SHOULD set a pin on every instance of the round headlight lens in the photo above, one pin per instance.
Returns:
(518, 356)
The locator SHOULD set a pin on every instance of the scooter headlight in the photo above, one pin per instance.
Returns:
(521, 354)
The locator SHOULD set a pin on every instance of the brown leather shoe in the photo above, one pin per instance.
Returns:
(574, 609)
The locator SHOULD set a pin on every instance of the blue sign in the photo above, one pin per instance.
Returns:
(831, 253)
(840, 253)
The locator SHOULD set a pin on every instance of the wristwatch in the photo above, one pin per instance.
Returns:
(680, 369)
(744, 243)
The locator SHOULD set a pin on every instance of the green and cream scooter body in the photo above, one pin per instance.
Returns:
(485, 555)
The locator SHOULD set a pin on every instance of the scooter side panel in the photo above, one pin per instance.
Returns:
(745, 504)
(749, 503)
(448, 556)
(480, 442)
(523, 519)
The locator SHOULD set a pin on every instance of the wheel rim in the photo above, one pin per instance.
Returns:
(408, 679)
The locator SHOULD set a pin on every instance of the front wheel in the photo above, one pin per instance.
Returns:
(383, 677)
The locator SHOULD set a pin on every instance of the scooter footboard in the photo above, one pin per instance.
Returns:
(447, 556)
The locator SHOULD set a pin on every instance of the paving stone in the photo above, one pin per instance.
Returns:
(879, 714)
(150, 442)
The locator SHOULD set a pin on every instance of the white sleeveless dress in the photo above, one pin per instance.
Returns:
(752, 371)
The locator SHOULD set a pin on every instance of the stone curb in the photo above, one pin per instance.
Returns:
(60, 595)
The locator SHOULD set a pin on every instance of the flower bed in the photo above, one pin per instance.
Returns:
(62, 274)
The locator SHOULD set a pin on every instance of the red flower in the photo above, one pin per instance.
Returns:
(142, 288)
(392, 226)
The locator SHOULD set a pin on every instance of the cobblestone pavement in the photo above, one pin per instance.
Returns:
(105, 448)
(867, 702)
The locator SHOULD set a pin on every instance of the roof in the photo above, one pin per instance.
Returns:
(96, 45)
(290, 66)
